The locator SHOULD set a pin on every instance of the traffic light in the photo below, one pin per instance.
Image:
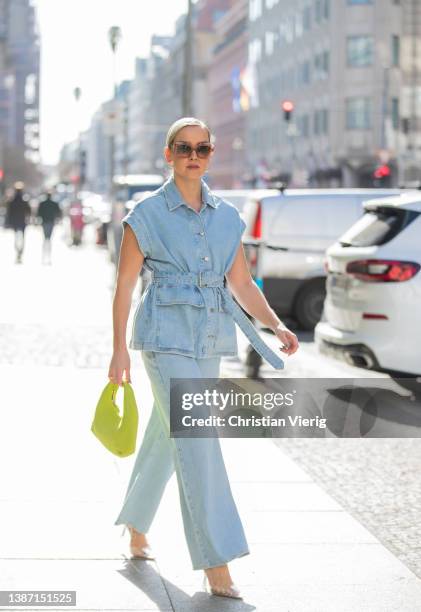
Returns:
(287, 107)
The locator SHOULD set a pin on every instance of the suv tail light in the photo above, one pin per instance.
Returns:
(382, 270)
(256, 232)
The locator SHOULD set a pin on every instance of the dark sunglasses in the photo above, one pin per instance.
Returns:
(182, 149)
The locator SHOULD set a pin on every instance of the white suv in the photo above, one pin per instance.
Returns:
(373, 304)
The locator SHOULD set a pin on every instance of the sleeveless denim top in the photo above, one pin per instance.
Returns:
(187, 308)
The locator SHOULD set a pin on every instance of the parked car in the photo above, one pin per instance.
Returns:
(239, 197)
(371, 314)
(295, 227)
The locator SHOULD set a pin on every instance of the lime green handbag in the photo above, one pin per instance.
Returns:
(117, 433)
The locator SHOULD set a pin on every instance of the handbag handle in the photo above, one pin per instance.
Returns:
(114, 387)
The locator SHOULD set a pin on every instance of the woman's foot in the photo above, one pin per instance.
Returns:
(139, 546)
(220, 582)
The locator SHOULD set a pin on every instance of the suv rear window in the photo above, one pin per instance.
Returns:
(378, 227)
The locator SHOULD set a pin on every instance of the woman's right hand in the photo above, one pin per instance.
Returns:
(120, 362)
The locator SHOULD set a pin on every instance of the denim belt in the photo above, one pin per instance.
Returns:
(209, 278)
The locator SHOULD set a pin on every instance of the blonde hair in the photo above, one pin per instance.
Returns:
(184, 122)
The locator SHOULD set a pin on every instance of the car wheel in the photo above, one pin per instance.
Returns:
(411, 383)
(309, 304)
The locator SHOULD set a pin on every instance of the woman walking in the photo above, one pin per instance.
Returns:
(190, 240)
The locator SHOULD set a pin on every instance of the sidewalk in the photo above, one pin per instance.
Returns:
(61, 492)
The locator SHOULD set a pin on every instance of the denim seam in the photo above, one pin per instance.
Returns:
(147, 234)
(185, 480)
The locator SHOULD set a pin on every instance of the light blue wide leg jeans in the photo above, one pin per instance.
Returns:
(212, 526)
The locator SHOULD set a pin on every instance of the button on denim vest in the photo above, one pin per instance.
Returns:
(187, 308)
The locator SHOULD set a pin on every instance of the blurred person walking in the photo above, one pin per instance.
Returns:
(18, 213)
(77, 222)
(49, 213)
(190, 240)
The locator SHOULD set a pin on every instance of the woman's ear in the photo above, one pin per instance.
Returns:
(168, 155)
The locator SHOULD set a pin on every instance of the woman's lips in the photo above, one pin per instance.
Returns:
(193, 166)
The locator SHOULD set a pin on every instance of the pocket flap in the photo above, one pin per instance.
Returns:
(179, 294)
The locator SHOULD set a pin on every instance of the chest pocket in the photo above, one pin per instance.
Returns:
(180, 309)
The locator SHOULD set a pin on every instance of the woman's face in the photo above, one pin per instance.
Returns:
(189, 166)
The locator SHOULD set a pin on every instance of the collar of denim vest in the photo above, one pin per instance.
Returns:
(175, 199)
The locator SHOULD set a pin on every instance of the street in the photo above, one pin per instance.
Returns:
(61, 491)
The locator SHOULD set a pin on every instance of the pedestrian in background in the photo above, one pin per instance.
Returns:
(77, 222)
(18, 213)
(190, 240)
(49, 213)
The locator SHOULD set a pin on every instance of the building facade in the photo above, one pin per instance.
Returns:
(19, 94)
(350, 68)
(19, 78)
(168, 76)
(228, 101)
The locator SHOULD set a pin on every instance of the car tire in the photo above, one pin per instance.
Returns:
(410, 383)
(308, 306)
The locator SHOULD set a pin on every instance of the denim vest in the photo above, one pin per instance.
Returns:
(186, 308)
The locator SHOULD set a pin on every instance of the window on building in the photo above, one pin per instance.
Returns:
(320, 121)
(395, 50)
(306, 73)
(358, 113)
(31, 114)
(359, 50)
(326, 9)
(325, 121)
(303, 73)
(395, 113)
(316, 123)
(255, 9)
(289, 29)
(307, 18)
(318, 11)
(360, 1)
(298, 25)
(305, 126)
(255, 50)
(321, 65)
(325, 63)
(269, 43)
(30, 88)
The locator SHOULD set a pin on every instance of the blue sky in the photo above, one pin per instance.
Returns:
(75, 52)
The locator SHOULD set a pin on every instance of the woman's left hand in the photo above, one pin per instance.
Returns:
(288, 339)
